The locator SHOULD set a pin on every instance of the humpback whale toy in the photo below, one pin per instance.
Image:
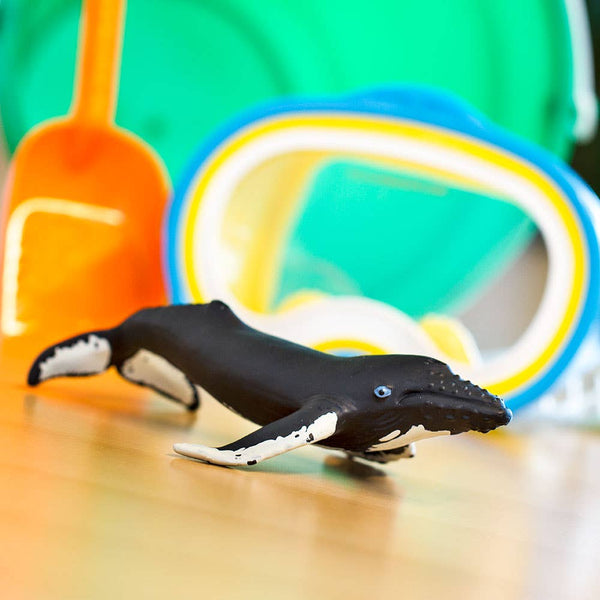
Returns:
(372, 407)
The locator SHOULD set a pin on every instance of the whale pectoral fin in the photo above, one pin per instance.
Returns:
(155, 372)
(386, 456)
(308, 425)
(408, 451)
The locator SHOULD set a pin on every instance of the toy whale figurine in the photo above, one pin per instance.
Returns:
(372, 407)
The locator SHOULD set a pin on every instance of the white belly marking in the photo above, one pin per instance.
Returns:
(414, 434)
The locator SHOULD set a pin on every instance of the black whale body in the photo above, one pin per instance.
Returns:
(299, 395)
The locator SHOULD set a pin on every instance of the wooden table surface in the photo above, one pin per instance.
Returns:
(95, 504)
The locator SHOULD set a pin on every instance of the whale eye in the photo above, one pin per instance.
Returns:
(382, 391)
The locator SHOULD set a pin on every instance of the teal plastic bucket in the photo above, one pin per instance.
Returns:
(189, 65)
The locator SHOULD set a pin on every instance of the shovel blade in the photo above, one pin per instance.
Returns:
(81, 243)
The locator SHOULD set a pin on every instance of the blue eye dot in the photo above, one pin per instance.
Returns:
(382, 391)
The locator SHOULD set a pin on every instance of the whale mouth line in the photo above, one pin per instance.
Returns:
(446, 398)
(440, 411)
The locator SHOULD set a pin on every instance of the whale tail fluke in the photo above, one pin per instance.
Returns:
(85, 354)
(94, 352)
(153, 371)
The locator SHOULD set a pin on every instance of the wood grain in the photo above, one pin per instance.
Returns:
(94, 504)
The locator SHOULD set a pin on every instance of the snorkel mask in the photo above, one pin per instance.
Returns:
(345, 224)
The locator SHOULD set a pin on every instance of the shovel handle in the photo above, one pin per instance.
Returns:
(99, 60)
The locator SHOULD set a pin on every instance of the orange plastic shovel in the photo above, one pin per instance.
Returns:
(83, 206)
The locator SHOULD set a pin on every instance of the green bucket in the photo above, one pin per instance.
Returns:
(189, 65)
